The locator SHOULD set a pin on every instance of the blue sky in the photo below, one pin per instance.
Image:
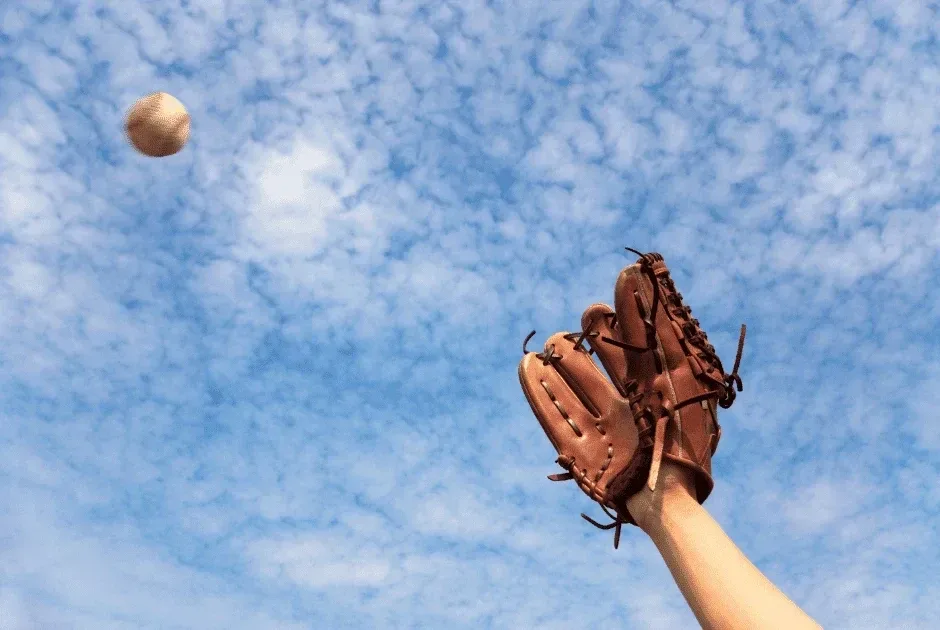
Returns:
(270, 382)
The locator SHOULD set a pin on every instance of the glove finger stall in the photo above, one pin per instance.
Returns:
(586, 420)
(599, 323)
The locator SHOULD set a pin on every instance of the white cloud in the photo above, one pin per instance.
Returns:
(555, 60)
(313, 563)
(822, 505)
(272, 379)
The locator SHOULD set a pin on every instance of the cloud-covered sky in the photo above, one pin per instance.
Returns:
(270, 382)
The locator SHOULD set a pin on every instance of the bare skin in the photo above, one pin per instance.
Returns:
(721, 586)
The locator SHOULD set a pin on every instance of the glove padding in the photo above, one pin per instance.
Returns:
(660, 401)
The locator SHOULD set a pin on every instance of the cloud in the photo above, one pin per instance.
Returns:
(270, 381)
(316, 563)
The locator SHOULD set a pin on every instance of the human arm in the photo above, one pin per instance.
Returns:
(722, 587)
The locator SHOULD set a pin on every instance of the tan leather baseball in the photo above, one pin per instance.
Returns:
(158, 125)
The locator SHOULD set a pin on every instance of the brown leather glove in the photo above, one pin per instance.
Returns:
(660, 401)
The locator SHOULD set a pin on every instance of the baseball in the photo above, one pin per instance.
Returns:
(158, 125)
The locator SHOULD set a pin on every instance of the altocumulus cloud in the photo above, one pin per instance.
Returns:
(270, 382)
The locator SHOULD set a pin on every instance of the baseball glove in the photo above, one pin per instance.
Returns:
(665, 382)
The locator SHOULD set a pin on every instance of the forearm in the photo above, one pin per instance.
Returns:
(723, 588)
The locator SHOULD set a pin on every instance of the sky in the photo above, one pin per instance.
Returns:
(270, 382)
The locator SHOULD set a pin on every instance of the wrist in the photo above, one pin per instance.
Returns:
(674, 494)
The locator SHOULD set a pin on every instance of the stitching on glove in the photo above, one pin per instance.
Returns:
(564, 413)
(577, 389)
(606, 464)
(580, 339)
